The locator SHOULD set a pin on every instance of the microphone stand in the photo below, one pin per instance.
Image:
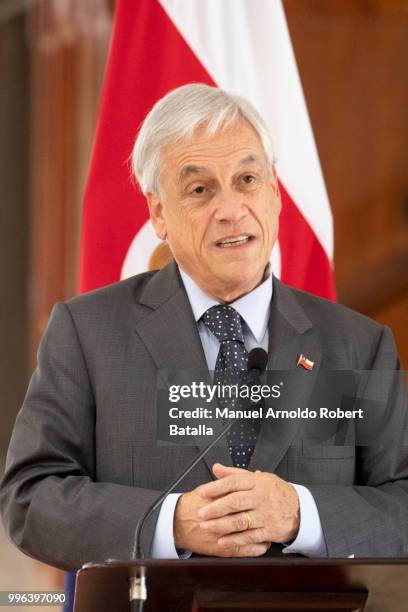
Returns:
(137, 590)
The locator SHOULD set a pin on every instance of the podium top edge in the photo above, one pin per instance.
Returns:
(222, 562)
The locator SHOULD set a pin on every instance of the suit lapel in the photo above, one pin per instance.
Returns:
(169, 331)
(290, 334)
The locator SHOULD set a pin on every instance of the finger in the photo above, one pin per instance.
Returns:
(244, 538)
(232, 523)
(249, 550)
(229, 504)
(241, 480)
(220, 471)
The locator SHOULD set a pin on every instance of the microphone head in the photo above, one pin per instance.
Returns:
(257, 359)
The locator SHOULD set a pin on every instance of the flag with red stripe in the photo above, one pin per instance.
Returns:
(243, 47)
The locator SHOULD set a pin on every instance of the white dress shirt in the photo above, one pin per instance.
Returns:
(254, 309)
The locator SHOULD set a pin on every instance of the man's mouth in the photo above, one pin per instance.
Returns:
(234, 241)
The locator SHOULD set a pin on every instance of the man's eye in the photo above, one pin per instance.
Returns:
(199, 190)
(248, 178)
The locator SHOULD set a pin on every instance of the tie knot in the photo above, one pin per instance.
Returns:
(225, 323)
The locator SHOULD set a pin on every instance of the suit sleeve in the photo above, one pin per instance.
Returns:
(370, 518)
(52, 506)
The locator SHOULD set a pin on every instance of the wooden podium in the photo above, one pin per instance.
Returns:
(218, 585)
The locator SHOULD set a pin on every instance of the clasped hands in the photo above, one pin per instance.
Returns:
(238, 515)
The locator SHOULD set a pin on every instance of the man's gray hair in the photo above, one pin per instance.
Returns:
(177, 115)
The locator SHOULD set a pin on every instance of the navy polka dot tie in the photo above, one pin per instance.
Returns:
(226, 325)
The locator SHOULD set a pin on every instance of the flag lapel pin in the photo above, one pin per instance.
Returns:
(306, 363)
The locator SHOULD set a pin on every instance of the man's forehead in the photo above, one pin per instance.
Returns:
(237, 144)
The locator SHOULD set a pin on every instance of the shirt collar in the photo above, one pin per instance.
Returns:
(253, 307)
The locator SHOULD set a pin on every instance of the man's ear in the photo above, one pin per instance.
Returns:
(275, 188)
(155, 204)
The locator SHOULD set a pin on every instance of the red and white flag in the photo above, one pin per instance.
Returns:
(306, 363)
(244, 47)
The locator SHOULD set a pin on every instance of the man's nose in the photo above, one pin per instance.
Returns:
(230, 206)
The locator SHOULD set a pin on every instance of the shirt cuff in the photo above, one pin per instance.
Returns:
(163, 539)
(310, 539)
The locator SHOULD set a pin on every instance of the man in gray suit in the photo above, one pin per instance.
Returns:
(84, 463)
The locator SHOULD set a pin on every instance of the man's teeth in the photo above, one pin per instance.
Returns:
(234, 241)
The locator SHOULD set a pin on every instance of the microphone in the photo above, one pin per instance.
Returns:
(257, 361)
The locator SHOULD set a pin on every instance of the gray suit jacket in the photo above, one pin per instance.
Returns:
(83, 462)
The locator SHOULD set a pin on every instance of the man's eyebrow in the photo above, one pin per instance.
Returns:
(248, 160)
(192, 169)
